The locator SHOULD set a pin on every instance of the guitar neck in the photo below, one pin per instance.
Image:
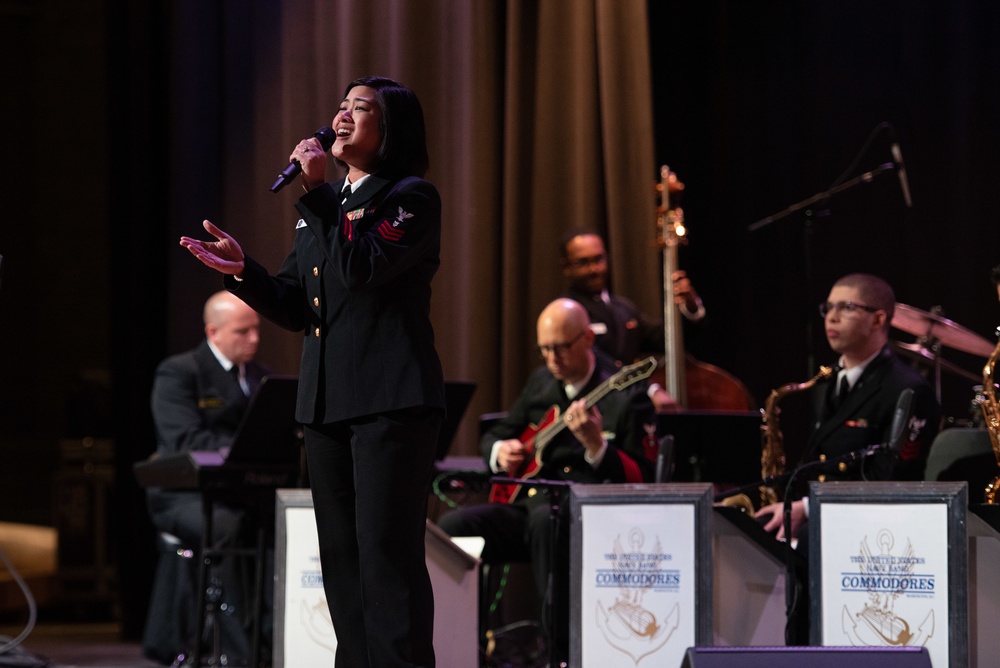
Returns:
(550, 432)
(619, 381)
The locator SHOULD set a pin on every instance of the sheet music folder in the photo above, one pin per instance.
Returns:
(265, 449)
(713, 446)
(457, 395)
(268, 433)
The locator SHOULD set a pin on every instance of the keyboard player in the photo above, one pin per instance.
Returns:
(198, 400)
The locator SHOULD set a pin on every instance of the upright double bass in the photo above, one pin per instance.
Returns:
(693, 384)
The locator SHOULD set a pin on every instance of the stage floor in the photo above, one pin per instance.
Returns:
(73, 645)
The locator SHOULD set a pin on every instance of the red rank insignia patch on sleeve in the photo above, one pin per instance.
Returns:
(392, 230)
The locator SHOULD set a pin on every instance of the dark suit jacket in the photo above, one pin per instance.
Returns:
(628, 332)
(197, 404)
(358, 283)
(624, 414)
(865, 418)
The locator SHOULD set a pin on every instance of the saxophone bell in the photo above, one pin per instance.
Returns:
(741, 501)
(991, 415)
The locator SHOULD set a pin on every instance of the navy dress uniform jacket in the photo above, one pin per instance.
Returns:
(865, 418)
(357, 284)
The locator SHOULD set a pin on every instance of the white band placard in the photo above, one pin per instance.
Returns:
(885, 568)
(889, 567)
(637, 593)
(641, 574)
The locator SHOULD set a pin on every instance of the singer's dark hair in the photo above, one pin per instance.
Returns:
(995, 273)
(403, 151)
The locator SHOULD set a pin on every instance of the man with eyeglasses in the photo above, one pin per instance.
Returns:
(603, 443)
(856, 408)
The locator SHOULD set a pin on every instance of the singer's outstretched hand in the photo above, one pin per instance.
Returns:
(224, 254)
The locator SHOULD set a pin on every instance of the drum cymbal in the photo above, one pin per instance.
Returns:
(918, 352)
(921, 323)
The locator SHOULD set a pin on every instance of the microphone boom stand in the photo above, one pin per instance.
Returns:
(793, 588)
(866, 177)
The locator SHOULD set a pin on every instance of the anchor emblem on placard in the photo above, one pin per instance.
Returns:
(629, 623)
(886, 577)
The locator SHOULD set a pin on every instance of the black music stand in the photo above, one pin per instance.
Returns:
(268, 431)
(554, 489)
(713, 446)
(457, 395)
(268, 435)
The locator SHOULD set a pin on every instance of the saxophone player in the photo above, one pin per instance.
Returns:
(855, 409)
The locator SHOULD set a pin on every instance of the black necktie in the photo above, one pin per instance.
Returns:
(345, 193)
(845, 387)
(240, 380)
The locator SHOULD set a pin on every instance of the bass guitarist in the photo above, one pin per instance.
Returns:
(606, 442)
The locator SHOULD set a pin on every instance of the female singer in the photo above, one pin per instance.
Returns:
(371, 399)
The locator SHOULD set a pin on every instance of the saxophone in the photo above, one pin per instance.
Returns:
(991, 411)
(772, 455)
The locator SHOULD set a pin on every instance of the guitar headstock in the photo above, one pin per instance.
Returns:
(632, 374)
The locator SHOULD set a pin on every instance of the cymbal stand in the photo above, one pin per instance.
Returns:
(936, 350)
(933, 346)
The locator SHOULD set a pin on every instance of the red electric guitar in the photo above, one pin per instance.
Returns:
(536, 437)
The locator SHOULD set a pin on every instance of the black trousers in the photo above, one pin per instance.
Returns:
(370, 478)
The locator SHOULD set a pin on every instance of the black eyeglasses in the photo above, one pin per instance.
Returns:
(584, 262)
(843, 308)
(559, 349)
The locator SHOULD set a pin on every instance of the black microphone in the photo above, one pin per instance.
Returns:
(897, 157)
(904, 409)
(326, 137)
(664, 460)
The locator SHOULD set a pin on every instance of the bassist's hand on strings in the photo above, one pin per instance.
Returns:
(662, 401)
(686, 297)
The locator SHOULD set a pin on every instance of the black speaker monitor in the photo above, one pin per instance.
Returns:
(814, 657)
